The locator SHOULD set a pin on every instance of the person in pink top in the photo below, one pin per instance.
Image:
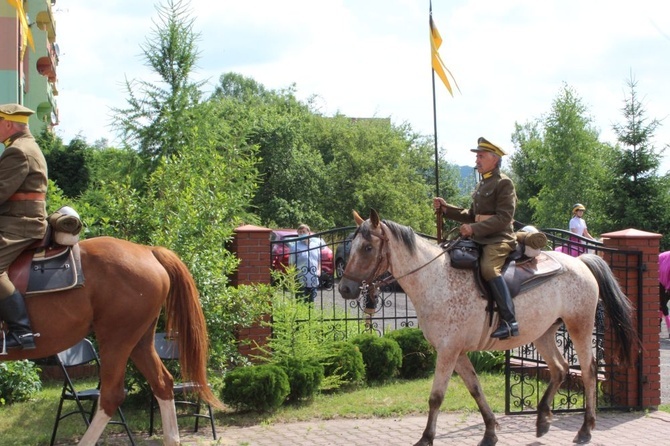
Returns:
(664, 285)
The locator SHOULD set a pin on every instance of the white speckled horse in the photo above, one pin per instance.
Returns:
(454, 319)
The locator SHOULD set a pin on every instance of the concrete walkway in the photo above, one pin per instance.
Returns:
(626, 429)
(454, 428)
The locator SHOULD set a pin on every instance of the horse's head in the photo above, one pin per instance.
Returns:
(367, 259)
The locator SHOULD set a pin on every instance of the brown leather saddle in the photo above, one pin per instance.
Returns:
(522, 273)
(46, 266)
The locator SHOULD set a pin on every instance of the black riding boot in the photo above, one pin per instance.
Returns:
(508, 324)
(13, 312)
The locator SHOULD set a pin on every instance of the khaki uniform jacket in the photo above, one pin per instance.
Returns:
(22, 169)
(495, 197)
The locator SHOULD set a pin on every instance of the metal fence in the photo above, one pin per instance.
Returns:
(526, 374)
(525, 371)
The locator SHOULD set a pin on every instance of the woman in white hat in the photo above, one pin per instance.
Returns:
(578, 226)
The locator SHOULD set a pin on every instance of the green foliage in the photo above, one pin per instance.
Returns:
(304, 376)
(261, 387)
(343, 366)
(566, 164)
(640, 197)
(19, 381)
(487, 361)
(382, 356)
(418, 356)
(159, 114)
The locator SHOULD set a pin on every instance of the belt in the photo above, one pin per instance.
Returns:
(482, 217)
(27, 196)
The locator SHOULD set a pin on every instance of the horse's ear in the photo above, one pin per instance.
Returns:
(374, 218)
(357, 218)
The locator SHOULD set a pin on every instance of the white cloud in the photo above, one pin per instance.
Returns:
(371, 58)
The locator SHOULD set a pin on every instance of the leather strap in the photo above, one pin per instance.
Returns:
(27, 196)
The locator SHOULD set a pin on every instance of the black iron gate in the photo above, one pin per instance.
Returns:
(526, 374)
(345, 319)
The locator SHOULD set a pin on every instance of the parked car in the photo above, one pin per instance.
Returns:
(281, 251)
(342, 256)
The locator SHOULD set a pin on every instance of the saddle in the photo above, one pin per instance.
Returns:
(52, 263)
(521, 273)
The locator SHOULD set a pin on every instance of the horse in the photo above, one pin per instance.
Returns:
(126, 286)
(453, 316)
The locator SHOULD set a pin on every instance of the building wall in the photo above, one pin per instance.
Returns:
(33, 81)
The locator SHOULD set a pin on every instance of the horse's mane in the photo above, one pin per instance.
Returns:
(400, 232)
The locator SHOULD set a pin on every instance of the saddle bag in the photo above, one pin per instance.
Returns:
(464, 253)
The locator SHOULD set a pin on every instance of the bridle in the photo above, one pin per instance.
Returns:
(379, 270)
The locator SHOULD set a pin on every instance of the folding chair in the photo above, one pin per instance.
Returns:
(184, 392)
(81, 354)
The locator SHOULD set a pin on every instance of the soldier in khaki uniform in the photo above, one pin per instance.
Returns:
(489, 222)
(23, 187)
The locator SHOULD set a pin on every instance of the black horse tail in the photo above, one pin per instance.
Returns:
(617, 306)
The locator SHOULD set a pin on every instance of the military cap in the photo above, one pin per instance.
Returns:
(484, 146)
(15, 112)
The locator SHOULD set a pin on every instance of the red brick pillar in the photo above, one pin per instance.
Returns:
(251, 244)
(649, 393)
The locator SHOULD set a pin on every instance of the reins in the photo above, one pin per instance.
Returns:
(384, 253)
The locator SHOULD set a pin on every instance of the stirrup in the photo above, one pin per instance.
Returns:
(25, 341)
(506, 330)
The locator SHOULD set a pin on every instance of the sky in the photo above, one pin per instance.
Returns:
(371, 58)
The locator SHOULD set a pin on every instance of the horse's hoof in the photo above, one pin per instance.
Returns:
(488, 441)
(424, 442)
(542, 428)
(582, 438)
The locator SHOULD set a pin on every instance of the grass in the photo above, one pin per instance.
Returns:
(31, 423)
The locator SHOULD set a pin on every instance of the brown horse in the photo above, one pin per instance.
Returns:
(453, 316)
(126, 287)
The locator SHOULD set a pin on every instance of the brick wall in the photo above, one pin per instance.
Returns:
(648, 395)
(251, 244)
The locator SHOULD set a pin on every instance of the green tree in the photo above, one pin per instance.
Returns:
(639, 197)
(525, 168)
(377, 165)
(569, 162)
(159, 112)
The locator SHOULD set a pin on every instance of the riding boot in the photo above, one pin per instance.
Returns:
(508, 325)
(13, 312)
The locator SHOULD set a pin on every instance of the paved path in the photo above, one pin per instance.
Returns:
(454, 428)
(626, 429)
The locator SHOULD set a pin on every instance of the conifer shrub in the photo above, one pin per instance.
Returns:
(343, 366)
(382, 356)
(304, 377)
(418, 356)
(260, 387)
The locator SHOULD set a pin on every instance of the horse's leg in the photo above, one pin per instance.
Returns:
(95, 429)
(558, 369)
(160, 380)
(466, 371)
(581, 334)
(444, 367)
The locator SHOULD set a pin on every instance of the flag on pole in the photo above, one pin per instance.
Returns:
(27, 35)
(438, 64)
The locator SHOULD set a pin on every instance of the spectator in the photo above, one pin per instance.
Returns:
(306, 257)
(578, 226)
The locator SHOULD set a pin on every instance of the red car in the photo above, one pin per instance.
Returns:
(280, 253)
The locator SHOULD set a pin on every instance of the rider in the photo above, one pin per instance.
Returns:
(23, 187)
(489, 222)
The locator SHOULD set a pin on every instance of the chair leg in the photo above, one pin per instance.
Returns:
(151, 417)
(211, 420)
(53, 434)
(125, 425)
